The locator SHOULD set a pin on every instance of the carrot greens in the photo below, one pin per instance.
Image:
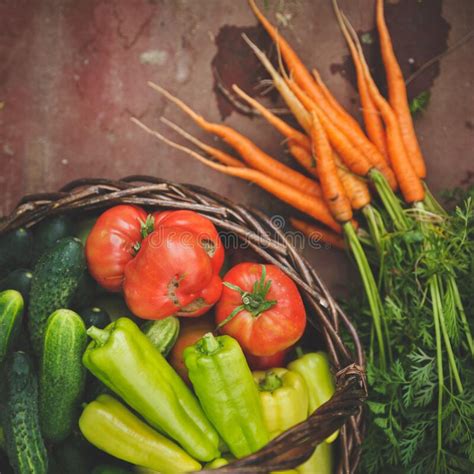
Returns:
(422, 406)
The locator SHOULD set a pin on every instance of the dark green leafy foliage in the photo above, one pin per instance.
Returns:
(421, 408)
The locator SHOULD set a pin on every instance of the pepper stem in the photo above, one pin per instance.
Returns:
(99, 336)
(270, 383)
(208, 343)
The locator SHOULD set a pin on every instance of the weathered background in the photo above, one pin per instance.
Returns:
(72, 73)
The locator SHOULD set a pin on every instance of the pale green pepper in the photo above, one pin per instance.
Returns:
(111, 427)
(125, 360)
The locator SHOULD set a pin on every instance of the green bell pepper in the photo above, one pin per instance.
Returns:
(315, 369)
(224, 385)
(111, 427)
(123, 358)
(283, 397)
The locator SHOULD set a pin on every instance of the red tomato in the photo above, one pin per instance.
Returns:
(266, 362)
(265, 310)
(171, 274)
(193, 222)
(110, 244)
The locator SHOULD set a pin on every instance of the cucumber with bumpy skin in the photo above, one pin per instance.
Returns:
(162, 333)
(62, 374)
(55, 280)
(19, 417)
(11, 313)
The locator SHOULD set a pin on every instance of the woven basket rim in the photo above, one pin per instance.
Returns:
(345, 410)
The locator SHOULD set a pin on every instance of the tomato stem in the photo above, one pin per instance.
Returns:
(148, 226)
(254, 302)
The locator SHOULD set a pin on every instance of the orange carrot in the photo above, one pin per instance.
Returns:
(372, 119)
(410, 185)
(310, 205)
(317, 233)
(344, 121)
(333, 190)
(356, 188)
(353, 158)
(286, 130)
(296, 67)
(303, 157)
(299, 146)
(250, 153)
(219, 155)
(398, 94)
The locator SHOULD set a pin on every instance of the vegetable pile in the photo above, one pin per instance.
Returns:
(365, 190)
(125, 350)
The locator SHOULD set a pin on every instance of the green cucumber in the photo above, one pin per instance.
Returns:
(19, 280)
(19, 417)
(15, 250)
(85, 293)
(11, 313)
(55, 280)
(49, 231)
(94, 316)
(162, 333)
(62, 375)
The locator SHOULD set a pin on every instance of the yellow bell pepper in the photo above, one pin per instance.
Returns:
(283, 397)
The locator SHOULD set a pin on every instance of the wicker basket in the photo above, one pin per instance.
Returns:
(344, 410)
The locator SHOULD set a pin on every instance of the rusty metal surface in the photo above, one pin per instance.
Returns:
(72, 73)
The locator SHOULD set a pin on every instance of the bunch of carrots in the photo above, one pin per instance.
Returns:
(344, 164)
